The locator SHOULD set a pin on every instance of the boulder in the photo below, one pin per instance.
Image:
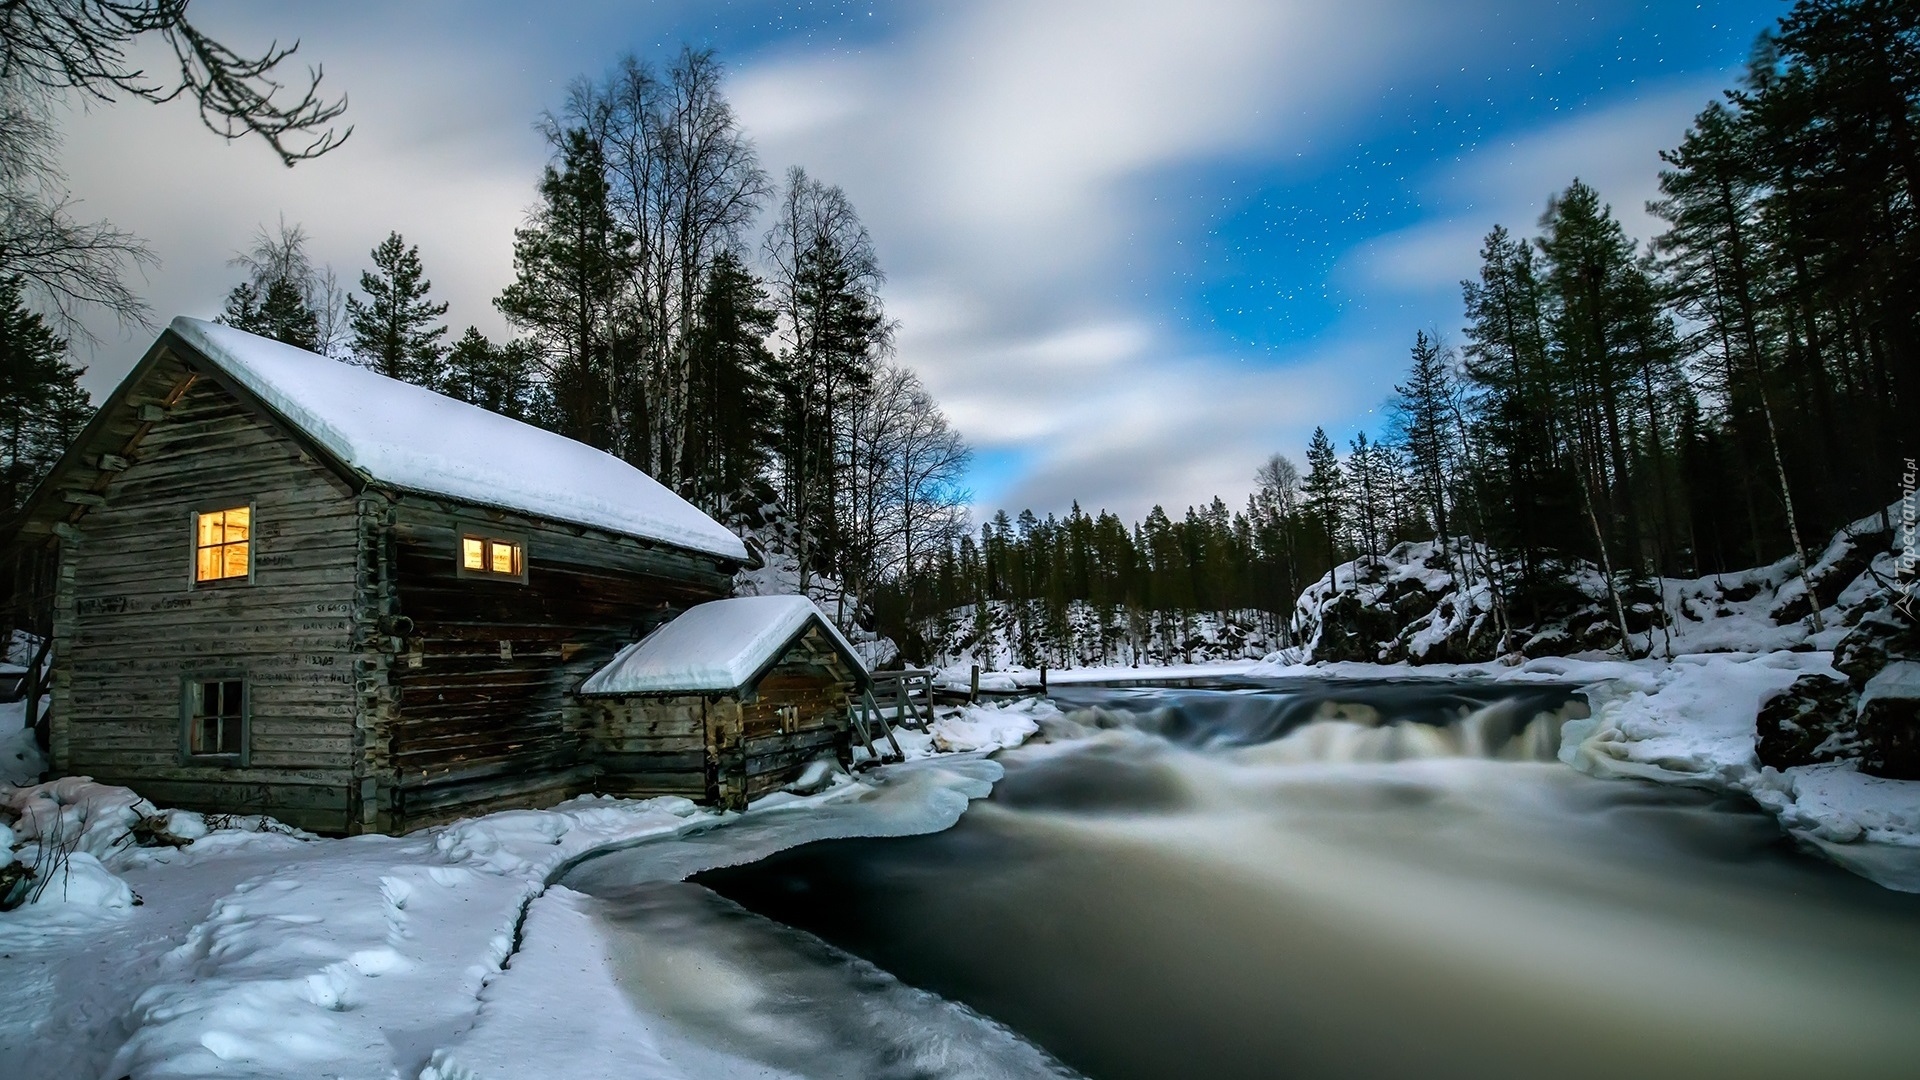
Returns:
(1881, 637)
(1810, 722)
(1889, 722)
(1351, 629)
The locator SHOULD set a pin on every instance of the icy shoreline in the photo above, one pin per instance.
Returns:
(264, 952)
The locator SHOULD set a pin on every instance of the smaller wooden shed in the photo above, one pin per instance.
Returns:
(728, 701)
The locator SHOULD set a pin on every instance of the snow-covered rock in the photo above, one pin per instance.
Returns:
(21, 761)
(80, 880)
(978, 728)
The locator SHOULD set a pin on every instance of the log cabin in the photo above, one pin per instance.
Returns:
(291, 586)
(730, 700)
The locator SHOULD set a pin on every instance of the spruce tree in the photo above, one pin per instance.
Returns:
(570, 274)
(1424, 414)
(42, 406)
(280, 312)
(727, 427)
(396, 330)
(1324, 495)
(495, 377)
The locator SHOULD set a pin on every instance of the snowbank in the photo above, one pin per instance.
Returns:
(1692, 722)
(254, 950)
(21, 761)
(977, 728)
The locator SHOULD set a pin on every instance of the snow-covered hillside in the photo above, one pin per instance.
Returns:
(1419, 604)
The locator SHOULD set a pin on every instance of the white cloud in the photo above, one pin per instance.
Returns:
(1014, 161)
(1008, 159)
(1616, 150)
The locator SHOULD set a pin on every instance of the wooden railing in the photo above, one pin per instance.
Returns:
(908, 693)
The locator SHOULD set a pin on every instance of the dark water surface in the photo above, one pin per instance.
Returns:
(1334, 879)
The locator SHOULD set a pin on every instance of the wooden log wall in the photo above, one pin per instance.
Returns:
(130, 626)
(797, 713)
(650, 746)
(482, 669)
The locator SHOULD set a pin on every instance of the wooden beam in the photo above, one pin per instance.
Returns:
(83, 498)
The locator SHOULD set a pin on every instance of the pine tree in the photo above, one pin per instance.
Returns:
(570, 272)
(496, 377)
(42, 406)
(1324, 495)
(396, 331)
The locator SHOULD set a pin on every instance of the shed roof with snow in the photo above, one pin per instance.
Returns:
(717, 647)
(409, 437)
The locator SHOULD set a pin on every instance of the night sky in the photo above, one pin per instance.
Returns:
(1133, 248)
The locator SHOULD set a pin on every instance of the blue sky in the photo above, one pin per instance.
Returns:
(1133, 247)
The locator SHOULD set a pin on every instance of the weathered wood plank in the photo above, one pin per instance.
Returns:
(133, 626)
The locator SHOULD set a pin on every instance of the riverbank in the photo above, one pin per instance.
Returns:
(253, 949)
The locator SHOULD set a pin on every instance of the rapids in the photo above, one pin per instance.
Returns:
(1315, 878)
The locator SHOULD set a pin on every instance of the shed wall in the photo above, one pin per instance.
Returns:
(725, 749)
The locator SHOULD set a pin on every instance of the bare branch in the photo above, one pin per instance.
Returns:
(60, 45)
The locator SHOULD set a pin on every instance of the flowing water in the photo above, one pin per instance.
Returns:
(1304, 879)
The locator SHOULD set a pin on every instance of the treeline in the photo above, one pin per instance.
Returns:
(680, 309)
(1732, 392)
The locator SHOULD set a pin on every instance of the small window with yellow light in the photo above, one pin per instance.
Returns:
(492, 557)
(222, 545)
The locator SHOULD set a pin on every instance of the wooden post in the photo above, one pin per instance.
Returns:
(1043, 678)
(973, 695)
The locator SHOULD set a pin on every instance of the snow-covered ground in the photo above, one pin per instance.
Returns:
(255, 950)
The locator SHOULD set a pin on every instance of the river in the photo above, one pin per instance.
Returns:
(1299, 879)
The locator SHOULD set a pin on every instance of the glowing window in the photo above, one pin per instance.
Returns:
(216, 717)
(222, 544)
(492, 557)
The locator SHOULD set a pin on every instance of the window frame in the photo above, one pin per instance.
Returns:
(218, 506)
(190, 685)
(489, 536)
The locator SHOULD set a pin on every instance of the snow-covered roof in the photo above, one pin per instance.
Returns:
(712, 647)
(409, 437)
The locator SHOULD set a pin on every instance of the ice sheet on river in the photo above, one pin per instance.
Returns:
(693, 1003)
